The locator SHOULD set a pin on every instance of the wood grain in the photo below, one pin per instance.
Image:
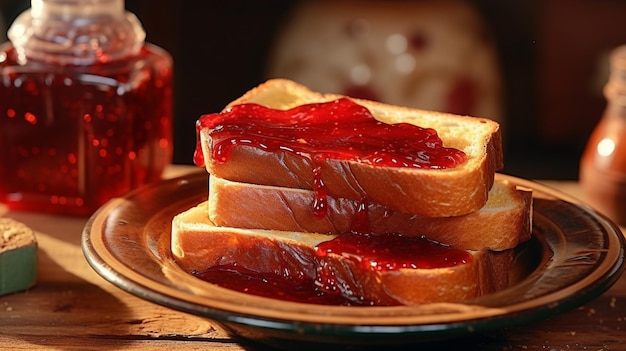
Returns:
(73, 308)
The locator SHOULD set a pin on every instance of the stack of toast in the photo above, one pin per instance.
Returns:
(437, 228)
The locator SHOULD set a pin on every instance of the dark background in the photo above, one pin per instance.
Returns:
(551, 53)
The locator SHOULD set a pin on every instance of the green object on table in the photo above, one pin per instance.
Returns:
(18, 257)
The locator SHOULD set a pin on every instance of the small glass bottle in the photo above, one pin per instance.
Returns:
(603, 164)
(85, 107)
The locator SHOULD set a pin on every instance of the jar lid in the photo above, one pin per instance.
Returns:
(76, 32)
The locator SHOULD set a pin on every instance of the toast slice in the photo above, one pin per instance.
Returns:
(503, 223)
(199, 246)
(426, 192)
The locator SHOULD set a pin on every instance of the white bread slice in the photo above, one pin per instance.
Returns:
(503, 223)
(198, 245)
(426, 192)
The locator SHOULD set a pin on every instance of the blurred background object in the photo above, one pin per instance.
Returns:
(435, 55)
(603, 164)
(551, 58)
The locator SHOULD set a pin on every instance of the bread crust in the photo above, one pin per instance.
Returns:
(503, 223)
(197, 245)
(426, 192)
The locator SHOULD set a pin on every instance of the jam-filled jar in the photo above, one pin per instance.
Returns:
(603, 164)
(85, 107)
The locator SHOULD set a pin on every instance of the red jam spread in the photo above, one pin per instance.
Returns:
(339, 129)
(390, 252)
(381, 253)
(302, 289)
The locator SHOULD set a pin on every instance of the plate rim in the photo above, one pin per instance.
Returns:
(467, 319)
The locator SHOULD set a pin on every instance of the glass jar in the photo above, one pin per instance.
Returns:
(603, 164)
(85, 107)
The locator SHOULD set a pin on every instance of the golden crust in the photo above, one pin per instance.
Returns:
(503, 223)
(432, 193)
(200, 241)
(197, 244)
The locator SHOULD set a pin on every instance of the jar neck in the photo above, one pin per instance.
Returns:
(76, 32)
(615, 92)
(615, 88)
(41, 9)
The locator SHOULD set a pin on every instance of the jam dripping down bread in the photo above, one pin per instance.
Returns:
(431, 192)
(449, 275)
(362, 202)
(503, 223)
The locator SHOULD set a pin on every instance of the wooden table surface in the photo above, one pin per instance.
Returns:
(73, 308)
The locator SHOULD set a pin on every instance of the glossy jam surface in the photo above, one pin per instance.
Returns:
(73, 137)
(390, 252)
(380, 253)
(273, 286)
(339, 129)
